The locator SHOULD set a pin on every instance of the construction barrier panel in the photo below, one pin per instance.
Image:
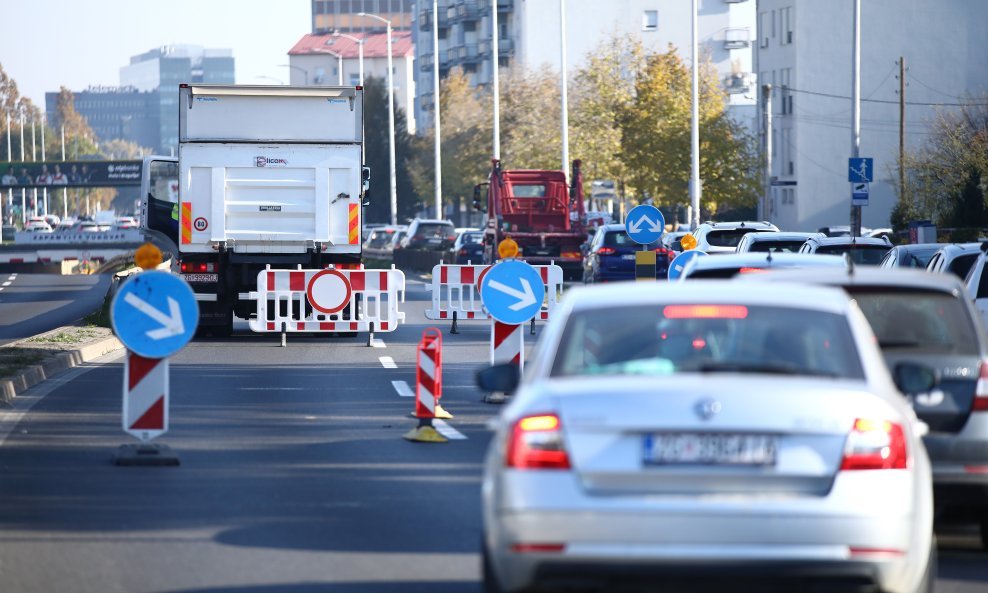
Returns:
(329, 300)
(456, 291)
(507, 344)
(428, 388)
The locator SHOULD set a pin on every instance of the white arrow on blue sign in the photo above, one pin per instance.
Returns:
(512, 292)
(677, 265)
(645, 224)
(154, 314)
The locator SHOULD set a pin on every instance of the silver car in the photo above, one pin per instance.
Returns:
(734, 436)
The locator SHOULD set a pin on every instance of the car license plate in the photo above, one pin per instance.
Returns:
(709, 449)
(200, 277)
(628, 256)
(435, 241)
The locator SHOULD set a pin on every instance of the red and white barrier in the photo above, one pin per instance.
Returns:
(330, 300)
(429, 374)
(145, 397)
(456, 291)
(507, 344)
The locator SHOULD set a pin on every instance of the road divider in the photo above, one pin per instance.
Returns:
(428, 389)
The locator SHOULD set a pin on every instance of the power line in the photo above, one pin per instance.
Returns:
(919, 103)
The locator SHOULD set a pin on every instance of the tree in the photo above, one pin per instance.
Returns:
(655, 138)
(531, 120)
(376, 147)
(948, 178)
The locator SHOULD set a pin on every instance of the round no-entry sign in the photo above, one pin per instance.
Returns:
(328, 291)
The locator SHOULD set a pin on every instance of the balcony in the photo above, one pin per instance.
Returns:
(505, 47)
(468, 54)
(737, 38)
(425, 101)
(505, 5)
(425, 19)
(425, 62)
(737, 83)
(467, 10)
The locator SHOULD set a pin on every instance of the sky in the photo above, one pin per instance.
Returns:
(46, 44)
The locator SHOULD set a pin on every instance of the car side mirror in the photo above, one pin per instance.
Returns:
(912, 378)
(500, 378)
(365, 175)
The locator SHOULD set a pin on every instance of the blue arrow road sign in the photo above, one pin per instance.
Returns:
(860, 169)
(677, 265)
(154, 314)
(512, 292)
(645, 224)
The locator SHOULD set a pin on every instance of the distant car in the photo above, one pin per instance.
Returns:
(610, 256)
(715, 436)
(865, 251)
(731, 265)
(52, 220)
(916, 255)
(782, 241)
(429, 235)
(37, 224)
(976, 283)
(925, 318)
(468, 248)
(723, 237)
(671, 240)
(125, 222)
(87, 226)
(377, 245)
(954, 258)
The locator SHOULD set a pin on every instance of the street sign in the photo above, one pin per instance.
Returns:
(512, 291)
(329, 291)
(154, 314)
(645, 224)
(859, 194)
(860, 169)
(677, 265)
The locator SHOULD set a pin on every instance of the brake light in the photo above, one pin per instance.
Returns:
(537, 443)
(981, 390)
(537, 548)
(875, 445)
(197, 267)
(606, 251)
(571, 255)
(705, 312)
(751, 270)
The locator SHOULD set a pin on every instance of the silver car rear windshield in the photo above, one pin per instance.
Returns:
(918, 320)
(691, 338)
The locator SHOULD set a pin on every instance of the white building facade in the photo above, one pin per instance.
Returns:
(804, 50)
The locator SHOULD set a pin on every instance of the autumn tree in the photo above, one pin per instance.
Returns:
(655, 138)
(531, 119)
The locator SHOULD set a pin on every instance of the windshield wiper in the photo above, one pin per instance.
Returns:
(761, 368)
(898, 343)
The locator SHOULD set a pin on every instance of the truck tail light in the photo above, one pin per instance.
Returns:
(571, 255)
(981, 390)
(875, 444)
(606, 251)
(537, 443)
(189, 267)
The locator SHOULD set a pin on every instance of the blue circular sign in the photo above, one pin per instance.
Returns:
(154, 314)
(645, 224)
(512, 292)
(677, 265)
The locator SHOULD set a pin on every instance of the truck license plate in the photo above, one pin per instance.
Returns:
(200, 277)
(709, 449)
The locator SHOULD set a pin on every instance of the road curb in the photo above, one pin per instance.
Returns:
(35, 374)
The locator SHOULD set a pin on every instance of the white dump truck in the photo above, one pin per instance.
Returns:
(264, 176)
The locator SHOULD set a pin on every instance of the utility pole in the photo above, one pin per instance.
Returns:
(437, 146)
(695, 187)
(856, 108)
(564, 95)
(764, 204)
(495, 82)
(902, 129)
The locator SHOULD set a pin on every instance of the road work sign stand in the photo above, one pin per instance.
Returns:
(512, 292)
(155, 315)
(428, 389)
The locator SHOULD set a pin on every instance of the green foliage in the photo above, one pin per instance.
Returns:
(376, 147)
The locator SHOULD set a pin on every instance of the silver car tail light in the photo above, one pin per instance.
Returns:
(875, 444)
(537, 443)
(981, 390)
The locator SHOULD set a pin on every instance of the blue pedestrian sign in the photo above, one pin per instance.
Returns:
(154, 314)
(645, 224)
(512, 291)
(677, 265)
(860, 169)
(859, 194)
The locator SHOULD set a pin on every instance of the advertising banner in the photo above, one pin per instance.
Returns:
(18, 175)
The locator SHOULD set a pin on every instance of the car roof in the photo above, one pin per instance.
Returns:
(869, 241)
(432, 221)
(781, 236)
(868, 276)
(620, 294)
(759, 259)
(749, 224)
(910, 247)
(955, 249)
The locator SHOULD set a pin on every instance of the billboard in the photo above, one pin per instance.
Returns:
(54, 174)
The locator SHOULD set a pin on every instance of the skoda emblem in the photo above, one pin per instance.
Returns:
(706, 408)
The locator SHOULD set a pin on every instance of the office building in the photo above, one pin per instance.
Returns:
(123, 113)
(341, 15)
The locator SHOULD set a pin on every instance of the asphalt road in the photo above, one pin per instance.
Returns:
(31, 304)
(294, 476)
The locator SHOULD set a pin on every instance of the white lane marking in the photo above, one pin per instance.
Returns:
(25, 401)
(403, 389)
(388, 362)
(270, 389)
(12, 276)
(448, 431)
(378, 343)
(8, 283)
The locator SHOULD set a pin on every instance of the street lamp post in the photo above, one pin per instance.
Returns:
(360, 52)
(437, 143)
(339, 63)
(391, 118)
(305, 72)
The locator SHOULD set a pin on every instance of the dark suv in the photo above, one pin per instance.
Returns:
(610, 256)
(429, 235)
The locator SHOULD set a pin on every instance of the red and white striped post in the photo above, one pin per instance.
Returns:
(145, 399)
(428, 388)
(507, 344)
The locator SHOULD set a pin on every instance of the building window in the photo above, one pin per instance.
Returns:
(773, 24)
(786, 25)
(354, 79)
(650, 20)
(763, 29)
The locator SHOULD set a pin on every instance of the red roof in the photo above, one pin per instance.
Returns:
(375, 45)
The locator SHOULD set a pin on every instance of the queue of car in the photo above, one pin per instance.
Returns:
(795, 413)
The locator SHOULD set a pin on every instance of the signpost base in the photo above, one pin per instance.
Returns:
(145, 454)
